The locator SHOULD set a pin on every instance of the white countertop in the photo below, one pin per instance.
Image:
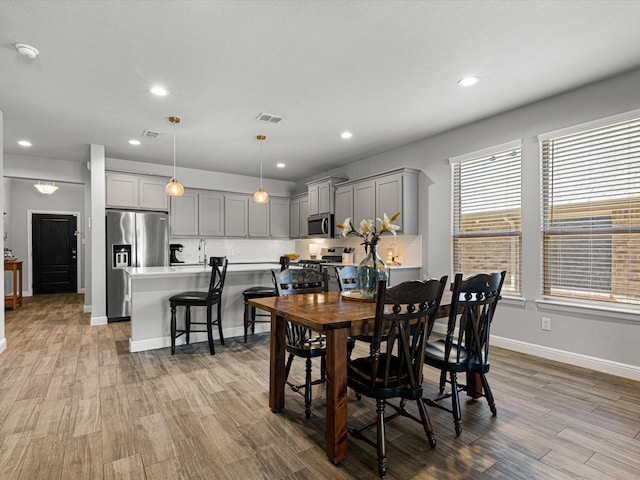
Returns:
(186, 270)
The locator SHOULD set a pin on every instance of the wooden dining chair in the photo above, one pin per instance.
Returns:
(393, 368)
(201, 299)
(465, 348)
(301, 341)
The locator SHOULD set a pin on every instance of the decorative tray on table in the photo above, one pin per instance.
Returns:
(355, 296)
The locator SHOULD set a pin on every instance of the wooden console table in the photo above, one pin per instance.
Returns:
(14, 301)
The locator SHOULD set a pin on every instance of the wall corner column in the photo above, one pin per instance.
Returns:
(98, 238)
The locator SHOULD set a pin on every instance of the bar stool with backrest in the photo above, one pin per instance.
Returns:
(465, 348)
(250, 314)
(201, 299)
(347, 276)
(393, 368)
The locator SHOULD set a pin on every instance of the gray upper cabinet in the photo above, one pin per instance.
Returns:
(304, 216)
(136, 191)
(211, 214)
(259, 218)
(344, 205)
(183, 219)
(294, 218)
(279, 217)
(321, 193)
(236, 215)
(390, 192)
(197, 213)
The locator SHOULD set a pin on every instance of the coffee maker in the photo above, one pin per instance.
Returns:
(176, 255)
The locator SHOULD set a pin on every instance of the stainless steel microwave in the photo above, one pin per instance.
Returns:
(321, 225)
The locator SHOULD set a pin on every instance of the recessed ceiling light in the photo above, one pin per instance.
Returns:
(27, 50)
(134, 142)
(159, 90)
(280, 165)
(346, 135)
(24, 143)
(468, 81)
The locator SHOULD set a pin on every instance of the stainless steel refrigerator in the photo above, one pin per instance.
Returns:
(134, 239)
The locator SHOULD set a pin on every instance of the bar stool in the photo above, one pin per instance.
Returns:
(250, 314)
(201, 299)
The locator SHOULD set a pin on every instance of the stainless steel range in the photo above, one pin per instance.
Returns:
(329, 256)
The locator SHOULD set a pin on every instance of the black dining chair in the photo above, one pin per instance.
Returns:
(393, 368)
(301, 341)
(251, 317)
(201, 299)
(465, 348)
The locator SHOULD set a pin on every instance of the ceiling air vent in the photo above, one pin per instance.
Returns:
(267, 117)
(150, 134)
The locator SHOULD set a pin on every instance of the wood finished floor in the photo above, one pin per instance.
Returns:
(74, 404)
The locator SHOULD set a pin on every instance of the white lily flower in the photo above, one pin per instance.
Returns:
(347, 227)
(386, 225)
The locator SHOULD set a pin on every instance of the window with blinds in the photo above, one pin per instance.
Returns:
(591, 214)
(487, 225)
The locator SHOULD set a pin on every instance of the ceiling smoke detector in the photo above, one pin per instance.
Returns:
(150, 134)
(267, 117)
(27, 50)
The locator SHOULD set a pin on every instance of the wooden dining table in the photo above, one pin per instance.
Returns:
(337, 318)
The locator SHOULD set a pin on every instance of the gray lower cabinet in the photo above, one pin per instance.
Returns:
(399, 275)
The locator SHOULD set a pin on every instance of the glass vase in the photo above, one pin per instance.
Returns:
(370, 271)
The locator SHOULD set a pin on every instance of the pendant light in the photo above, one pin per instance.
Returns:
(46, 188)
(174, 187)
(261, 196)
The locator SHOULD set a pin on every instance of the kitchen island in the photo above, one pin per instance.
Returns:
(151, 288)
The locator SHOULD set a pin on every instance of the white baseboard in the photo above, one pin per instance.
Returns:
(86, 309)
(3, 345)
(164, 342)
(577, 359)
(98, 321)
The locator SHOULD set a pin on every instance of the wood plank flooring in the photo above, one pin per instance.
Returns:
(75, 404)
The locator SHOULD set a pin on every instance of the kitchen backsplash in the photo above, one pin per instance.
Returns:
(236, 250)
(407, 249)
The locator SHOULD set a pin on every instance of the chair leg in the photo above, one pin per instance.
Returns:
(187, 322)
(246, 320)
(307, 390)
(455, 404)
(253, 320)
(219, 321)
(173, 328)
(382, 448)
(443, 380)
(287, 367)
(212, 349)
(323, 368)
(426, 423)
(488, 395)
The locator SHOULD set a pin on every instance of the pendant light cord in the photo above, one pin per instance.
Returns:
(174, 151)
(261, 163)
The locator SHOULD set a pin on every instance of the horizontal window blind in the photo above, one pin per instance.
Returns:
(487, 222)
(591, 214)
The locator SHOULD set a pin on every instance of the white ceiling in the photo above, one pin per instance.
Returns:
(385, 70)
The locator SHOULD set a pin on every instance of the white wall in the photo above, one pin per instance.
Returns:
(606, 342)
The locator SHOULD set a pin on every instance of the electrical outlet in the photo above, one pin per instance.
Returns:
(546, 323)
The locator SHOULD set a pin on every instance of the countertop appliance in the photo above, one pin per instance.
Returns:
(134, 239)
(177, 253)
(321, 225)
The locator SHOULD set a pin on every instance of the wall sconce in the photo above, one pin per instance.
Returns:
(392, 252)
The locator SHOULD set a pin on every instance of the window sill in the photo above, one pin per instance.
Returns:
(628, 313)
(512, 300)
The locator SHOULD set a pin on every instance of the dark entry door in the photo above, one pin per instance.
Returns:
(54, 254)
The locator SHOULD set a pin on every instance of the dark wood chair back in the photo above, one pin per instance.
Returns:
(218, 274)
(403, 314)
(347, 277)
(473, 304)
(292, 281)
